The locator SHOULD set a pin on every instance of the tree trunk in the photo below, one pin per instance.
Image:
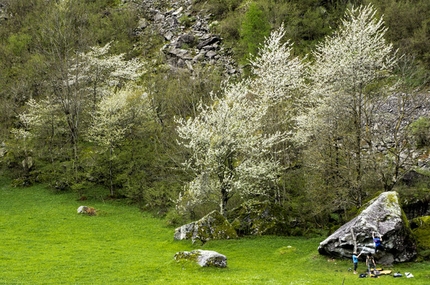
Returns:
(224, 199)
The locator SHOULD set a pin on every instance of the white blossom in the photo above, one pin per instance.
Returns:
(230, 150)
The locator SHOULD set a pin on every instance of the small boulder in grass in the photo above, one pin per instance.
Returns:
(90, 211)
(203, 257)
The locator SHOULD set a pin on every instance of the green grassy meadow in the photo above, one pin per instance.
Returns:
(44, 241)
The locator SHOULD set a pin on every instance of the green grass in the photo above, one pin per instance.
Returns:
(44, 241)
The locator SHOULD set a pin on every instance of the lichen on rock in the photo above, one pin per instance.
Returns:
(210, 227)
(204, 258)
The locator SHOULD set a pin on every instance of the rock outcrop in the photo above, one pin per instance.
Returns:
(203, 257)
(260, 218)
(187, 35)
(212, 226)
(382, 216)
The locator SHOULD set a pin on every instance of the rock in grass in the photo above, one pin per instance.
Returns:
(212, 226)
(86, 210)
(203, 257)
(384, 216)
(260, 218)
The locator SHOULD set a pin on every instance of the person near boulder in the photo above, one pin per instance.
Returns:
(377, 240)
(355, 261)
(370, 263)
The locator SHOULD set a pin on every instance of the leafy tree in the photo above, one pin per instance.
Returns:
(276, 73)
(255, 27)
(230, 150)
(395, 121)
(115, 115)
(409, 26)
(352, 70)
(76, 93)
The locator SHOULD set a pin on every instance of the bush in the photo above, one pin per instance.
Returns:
(420, 130)
(255, 27)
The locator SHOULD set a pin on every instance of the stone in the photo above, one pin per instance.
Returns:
(177, 12)
(212, 226)
(159, 17)
(86, 210)
(209, 41)
(383, 216)
(185, 39)
(204, 258)
(82, 209)
(180, 53)
(260, 218)
(142, 24)
(211, 54)
(197, 39)
(168, 35)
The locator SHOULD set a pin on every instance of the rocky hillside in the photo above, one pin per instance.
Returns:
(186, 33)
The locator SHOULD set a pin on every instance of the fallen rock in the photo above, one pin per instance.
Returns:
(260, 218)
(209, 41)
(382, 216)
(212, 226)
(203, 257)
(87, 210)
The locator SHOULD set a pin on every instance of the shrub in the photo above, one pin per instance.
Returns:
(421, 132)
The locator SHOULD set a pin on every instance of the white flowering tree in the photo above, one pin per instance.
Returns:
(231, 153)
(115, 115)
(90, 76)
(23, 135)
(82, 81)
(98, 71)
(276, 73)
(352, 69)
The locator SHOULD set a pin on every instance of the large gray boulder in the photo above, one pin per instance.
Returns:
(384, 217)
(203, 257)
(212, 226)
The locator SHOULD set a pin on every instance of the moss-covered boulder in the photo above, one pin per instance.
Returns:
(383, 217)
(259, 218)
(210, 227)
(204, 258)
(421, 229)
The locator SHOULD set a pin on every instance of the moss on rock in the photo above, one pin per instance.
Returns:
(214, 226)
(260, 218)
(421, 230)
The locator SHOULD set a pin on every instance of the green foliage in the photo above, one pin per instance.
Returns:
(421, 230)
(408, 26)
(420, 130)
(220, 8)
(18, 43)
(254, 28)
(187, 20)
